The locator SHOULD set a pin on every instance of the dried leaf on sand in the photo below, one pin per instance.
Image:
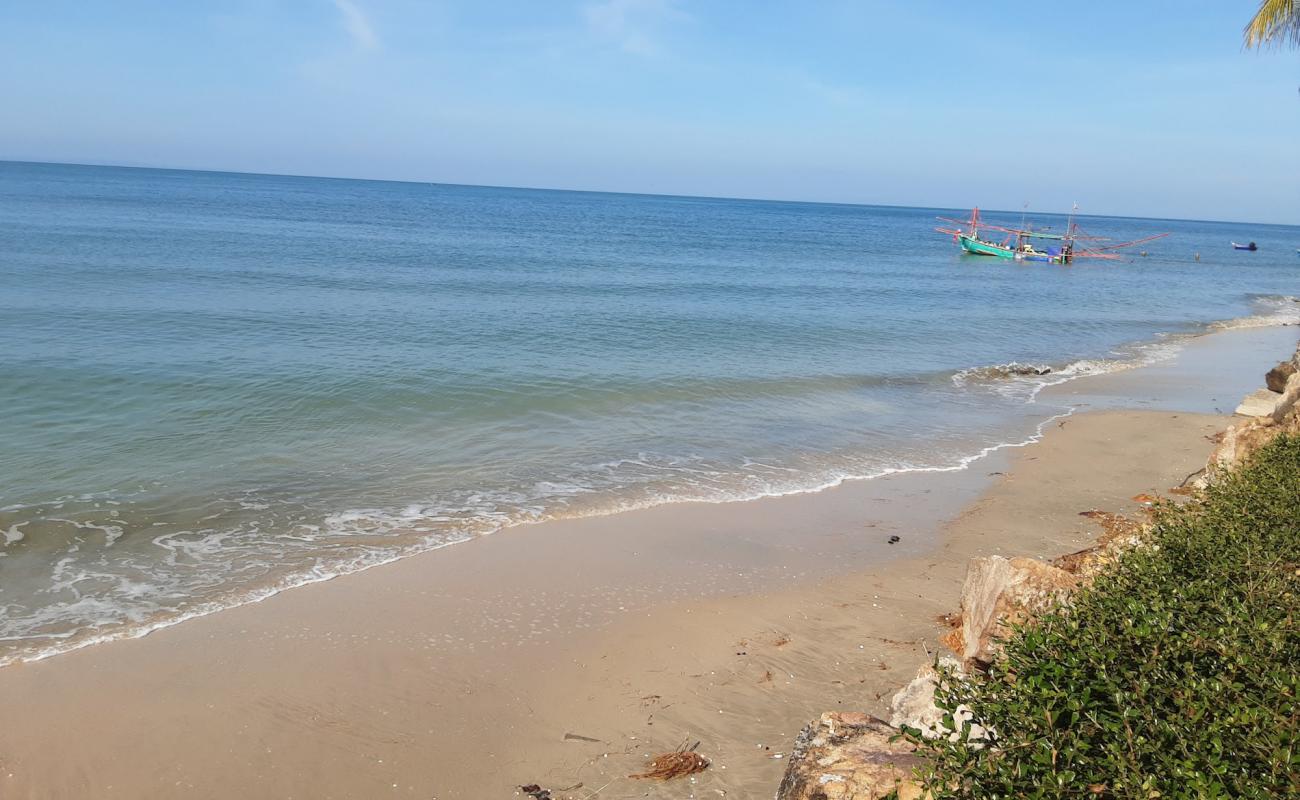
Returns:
(676, 764)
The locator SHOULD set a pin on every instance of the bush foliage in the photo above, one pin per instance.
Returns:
(1175, 674)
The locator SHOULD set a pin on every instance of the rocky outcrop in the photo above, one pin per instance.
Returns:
(1270, 411)
(1265, 403)
(1290, 396)
(1001, 592)
(1277, 377)
(849, 756)
(1259, 403)
(1244, 438)
(1284, 380)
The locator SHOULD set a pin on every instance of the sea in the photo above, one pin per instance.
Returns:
(216, 386)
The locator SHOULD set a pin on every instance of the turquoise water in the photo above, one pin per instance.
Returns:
(218, 385)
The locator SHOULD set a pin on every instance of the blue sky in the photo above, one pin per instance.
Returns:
(1144, 108)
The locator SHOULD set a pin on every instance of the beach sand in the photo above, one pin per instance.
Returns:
(572, 651)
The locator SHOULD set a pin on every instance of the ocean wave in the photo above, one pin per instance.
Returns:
(1016, 380)
(92, 603)
(1027, 379)
(101, 605)
(1272, 310)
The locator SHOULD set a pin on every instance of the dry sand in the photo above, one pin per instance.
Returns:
(468, 671)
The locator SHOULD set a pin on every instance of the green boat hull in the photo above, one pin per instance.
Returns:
(979, 248)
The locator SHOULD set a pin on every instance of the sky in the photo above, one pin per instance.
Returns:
(1135, 107)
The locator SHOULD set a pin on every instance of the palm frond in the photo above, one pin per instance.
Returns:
(1277, 23)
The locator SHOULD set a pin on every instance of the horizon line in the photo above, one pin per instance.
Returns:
(624, 193)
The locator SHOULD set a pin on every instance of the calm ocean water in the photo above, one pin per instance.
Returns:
(219, 385)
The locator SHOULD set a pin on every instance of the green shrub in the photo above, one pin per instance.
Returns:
(1176, 674)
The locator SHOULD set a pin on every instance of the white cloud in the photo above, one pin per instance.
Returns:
(357, 24)
(632, 24)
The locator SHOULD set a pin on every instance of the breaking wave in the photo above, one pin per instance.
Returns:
(1017, 378)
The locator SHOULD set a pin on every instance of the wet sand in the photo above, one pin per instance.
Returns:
(465, 672)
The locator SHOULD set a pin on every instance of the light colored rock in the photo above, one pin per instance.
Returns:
(849, 756)
(1000, 592)
(913, 705)
(1223, 457)
(986, 578)
(1259, 403)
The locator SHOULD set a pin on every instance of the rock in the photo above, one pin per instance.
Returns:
(999, 592)
(1290, 395)
(849, 756)
(1277, 376)
(1259, 403)
(1028, 369)
(913, 705)
(1278, 399)
(1238, 441)
(1242, 439)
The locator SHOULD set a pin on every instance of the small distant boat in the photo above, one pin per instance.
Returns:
(1018, 244)
(1251, 246)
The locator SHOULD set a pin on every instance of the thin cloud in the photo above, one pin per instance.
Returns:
(632, 24)
(357, 24)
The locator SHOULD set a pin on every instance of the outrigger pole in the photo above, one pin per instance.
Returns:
(970, 241)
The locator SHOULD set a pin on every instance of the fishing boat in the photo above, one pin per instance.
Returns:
(1251, 246)
(1026, 244)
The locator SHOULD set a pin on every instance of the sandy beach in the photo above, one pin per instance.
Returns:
(646, 399)
(570, 652)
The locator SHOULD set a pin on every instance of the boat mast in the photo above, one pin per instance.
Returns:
(1068, 246)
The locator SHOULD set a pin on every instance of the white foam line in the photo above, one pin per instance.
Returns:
(212, 608)
(1159, 351)
(354, 568)
(1166, 347)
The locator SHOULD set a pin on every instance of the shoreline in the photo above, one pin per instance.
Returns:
(899, 473)
(460, 675)
(1142, 355)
